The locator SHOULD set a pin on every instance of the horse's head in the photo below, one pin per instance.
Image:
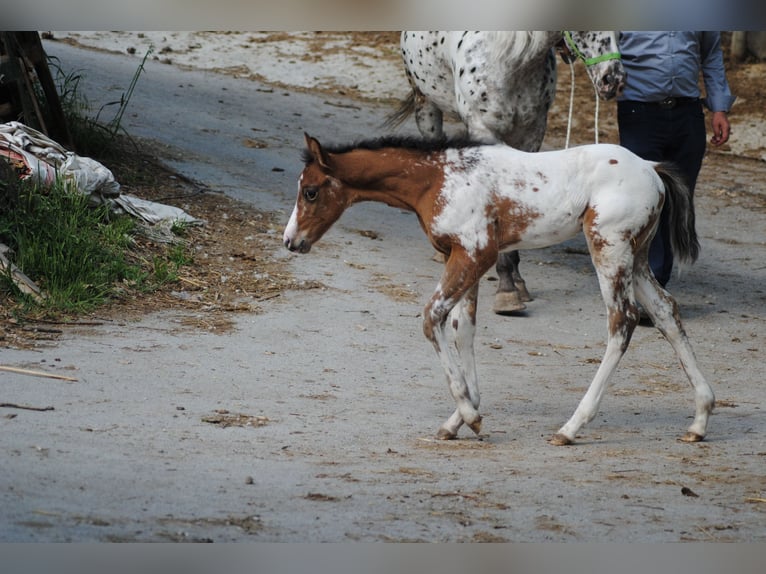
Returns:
(320, 200)
(599, 52)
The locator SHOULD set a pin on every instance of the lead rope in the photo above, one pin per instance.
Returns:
(571, 106)
(588, 62)
(595, 115)
(571, 101)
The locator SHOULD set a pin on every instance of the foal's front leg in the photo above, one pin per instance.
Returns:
(462, 319)
(453, 307)
(436, 330)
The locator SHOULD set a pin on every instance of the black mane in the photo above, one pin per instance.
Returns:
(396, 141)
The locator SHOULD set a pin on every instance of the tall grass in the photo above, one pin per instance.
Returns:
(74, 252)
(79, 255)
(92, 135)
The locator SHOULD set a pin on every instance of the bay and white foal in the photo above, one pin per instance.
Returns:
(474, 201)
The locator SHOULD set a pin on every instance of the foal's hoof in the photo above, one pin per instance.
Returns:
(691, 437)
(475, 426)
(560, 440)
(508, 303)
(445, 434)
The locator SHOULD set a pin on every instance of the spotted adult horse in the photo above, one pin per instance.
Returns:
(501, 85)
(475, 201)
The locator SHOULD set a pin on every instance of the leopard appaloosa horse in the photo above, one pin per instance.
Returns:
(501, 85)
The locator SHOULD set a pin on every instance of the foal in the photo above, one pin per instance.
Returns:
(474, 201)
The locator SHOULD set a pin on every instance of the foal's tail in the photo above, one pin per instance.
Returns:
(680, 206)
(405, 110)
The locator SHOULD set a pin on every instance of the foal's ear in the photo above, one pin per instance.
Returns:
(316, 151)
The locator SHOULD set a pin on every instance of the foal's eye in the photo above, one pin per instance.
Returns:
(310, 193)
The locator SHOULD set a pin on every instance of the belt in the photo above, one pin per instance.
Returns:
(667, 103)
(670, 103)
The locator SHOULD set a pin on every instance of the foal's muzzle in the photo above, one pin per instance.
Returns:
(302, 246)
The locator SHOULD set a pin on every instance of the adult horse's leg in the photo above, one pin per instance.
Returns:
(428, 117)
(515, 114)
(511, 289)
(663, 310)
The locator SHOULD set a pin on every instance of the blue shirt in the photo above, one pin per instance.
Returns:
(664, 64)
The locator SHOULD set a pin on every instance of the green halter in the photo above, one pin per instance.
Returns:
(588, 61)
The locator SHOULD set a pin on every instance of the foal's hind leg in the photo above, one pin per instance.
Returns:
(511, 289)
(663, 310)
(622, 318)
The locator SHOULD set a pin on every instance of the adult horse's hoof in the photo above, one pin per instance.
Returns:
(508, 303)
(691, 437)
(445, 434)
(560, 440)
(524, 295)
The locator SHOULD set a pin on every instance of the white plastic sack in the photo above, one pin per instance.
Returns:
(44, 159)
(41, 159)
(153, 212)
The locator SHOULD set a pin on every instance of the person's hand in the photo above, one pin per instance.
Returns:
(721, 128)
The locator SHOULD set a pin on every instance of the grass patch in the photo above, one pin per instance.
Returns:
(79, 255)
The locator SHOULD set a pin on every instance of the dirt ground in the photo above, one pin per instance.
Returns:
(332, 448)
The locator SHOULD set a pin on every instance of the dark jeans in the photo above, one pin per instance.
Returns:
(677, 135)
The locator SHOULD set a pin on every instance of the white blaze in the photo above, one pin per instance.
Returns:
(291, 230)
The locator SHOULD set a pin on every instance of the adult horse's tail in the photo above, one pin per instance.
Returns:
(681, 220)
(405, 110)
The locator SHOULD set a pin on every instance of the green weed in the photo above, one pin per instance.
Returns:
(74, 252)
(80, 255)
(91, 135)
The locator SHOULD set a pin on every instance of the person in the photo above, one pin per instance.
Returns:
(660, 115)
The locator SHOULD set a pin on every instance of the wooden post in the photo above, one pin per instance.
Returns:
(24, 283)
(23, 53)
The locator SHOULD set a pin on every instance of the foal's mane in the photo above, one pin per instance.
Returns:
(395, 141)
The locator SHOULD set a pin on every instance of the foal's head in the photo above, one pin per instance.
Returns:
(320, 202)
(601, 55)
